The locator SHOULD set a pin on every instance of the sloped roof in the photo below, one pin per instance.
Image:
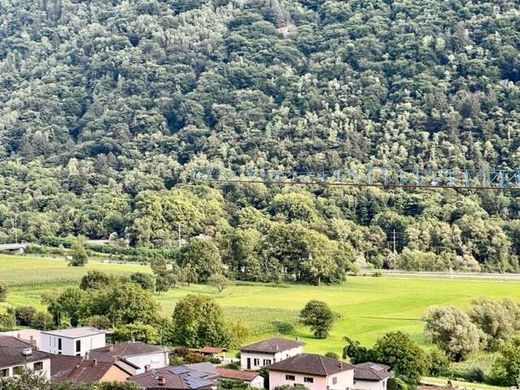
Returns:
(228, 373)
(78, 370)
(312, 364)
(175, 378)
(373, 372)
(12, 352)
(213, 350)
(273, 345)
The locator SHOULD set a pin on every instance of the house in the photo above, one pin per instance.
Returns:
(315, 372)
(79, 370)
(18, 249)
(212, 351)
(141, 355)
(266, 352)
(31, 336)
(175, 378)
(17, 355)
(250, 378)
(371, 376)
(73, 341)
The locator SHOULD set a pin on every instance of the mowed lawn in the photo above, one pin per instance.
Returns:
(368, 306)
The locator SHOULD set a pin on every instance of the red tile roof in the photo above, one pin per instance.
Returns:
(212, 350)
(78, 370)
(228, 373)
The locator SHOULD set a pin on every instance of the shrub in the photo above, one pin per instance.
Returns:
(24, 315)
(3, 291)
(332, 355)
(475, 374)
(438, 362)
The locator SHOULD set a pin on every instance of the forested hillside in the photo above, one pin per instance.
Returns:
(106, 106)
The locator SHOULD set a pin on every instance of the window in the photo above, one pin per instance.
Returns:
(289, 377)
(256, 362)
(4, 372)
(78, 345)
(59, 344)
(38, 366)
(267, 362)
(308, 379)
(18, 370)
(334, 381)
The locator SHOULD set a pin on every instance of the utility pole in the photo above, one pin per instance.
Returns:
(394, 244)
(179, 240)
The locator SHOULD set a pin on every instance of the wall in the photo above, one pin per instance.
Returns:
(46, 371)
(277, 357)
(278, 379)
(370, 385)
(344, 380)
(115, 374)
(155, 360)
(68, 345)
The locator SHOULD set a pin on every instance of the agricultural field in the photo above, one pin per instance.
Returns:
(368, 306)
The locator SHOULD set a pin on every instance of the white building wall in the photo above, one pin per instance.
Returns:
(50, 344)
(154, 360)
(370, 385)
(276, 357)
(46, 371)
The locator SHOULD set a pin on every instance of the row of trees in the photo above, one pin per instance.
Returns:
(102, 144)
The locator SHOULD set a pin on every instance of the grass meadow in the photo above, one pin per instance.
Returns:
(368, 306)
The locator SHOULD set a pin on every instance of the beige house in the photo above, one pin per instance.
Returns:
(264, 353)
(17, 355)
(315, 372)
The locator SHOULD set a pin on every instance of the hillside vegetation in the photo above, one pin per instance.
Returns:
(107, 106)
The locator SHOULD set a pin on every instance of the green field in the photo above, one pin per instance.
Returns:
(368, 306)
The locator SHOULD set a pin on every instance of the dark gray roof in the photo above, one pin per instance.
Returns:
(312, 364)
(76, 369)
(12, 352)
(273, 345)
(372, 372)
(175, 378)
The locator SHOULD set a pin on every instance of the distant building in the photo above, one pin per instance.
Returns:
(73, 341)
(142, 355)
(175, 378)
(17, 355)
(250, 378)
(18, 249)
(78, 370)
(264, 353)
(315, 372)
(31, 336)
(212, 351)
(371, 376)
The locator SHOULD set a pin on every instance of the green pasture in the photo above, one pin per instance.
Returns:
(368, 306)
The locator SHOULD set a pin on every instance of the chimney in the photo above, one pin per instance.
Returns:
(147, 368)
(87, 355)
(110, 347)
(94, 362)
(161, 381)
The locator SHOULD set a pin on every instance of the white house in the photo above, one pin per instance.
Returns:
(141, 355)
(315, 372)
(17, 355)
(371, 376)
(73, 341)
(264, 353)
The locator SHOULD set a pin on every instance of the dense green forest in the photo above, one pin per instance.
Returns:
(107, 106)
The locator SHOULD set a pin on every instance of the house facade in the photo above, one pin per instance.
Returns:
(73, 341)
(315, 372)
(17, 355)
(264, 353)
(79, 370)
(141, 355)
